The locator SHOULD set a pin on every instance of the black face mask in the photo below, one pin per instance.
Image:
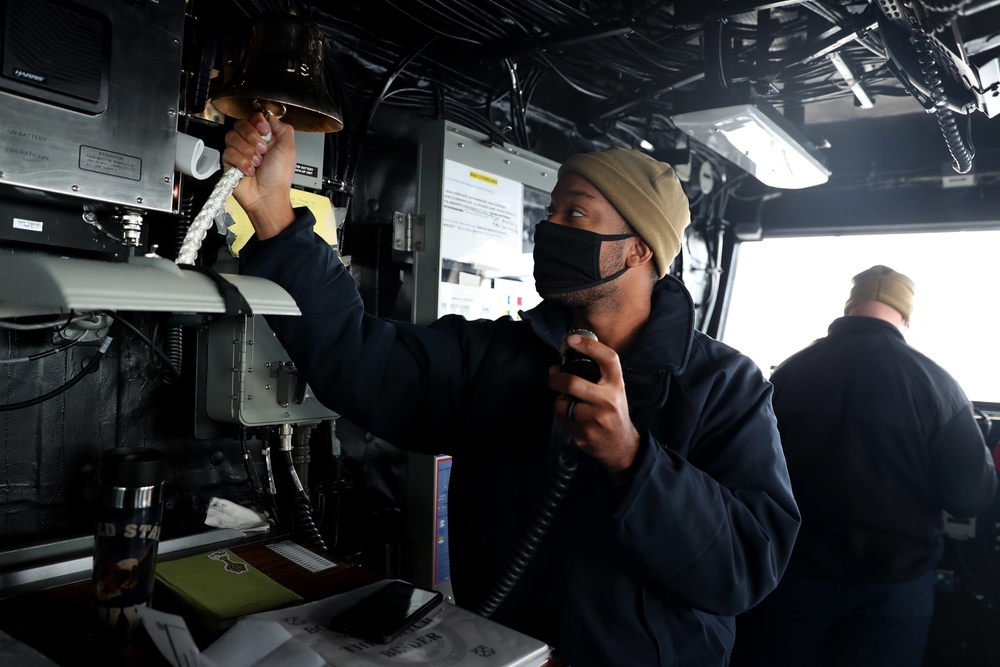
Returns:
(568, 259)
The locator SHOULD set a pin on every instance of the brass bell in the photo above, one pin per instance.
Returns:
(282, 73)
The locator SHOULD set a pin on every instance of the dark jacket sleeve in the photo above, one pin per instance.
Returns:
(963, 477)
(727, 494)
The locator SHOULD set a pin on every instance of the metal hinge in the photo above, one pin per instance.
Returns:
(408, 231)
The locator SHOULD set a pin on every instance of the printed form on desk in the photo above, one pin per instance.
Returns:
(298, 636)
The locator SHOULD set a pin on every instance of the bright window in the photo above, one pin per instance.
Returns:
(786, 291)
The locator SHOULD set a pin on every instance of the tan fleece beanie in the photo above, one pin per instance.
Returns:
(646, 192)
(880, 283)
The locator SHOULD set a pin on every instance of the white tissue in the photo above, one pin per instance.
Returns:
(226, 514)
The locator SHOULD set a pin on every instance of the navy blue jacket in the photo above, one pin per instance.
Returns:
(646, 574)
(879, 439)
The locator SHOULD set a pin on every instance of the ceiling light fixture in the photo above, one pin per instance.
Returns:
(758, 139)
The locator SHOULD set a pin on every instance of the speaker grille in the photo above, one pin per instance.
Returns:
(55, 47)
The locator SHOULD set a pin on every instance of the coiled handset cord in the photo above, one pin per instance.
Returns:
(565, 469)
(566, 464)
(961, 154)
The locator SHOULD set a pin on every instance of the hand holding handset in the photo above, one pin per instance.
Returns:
(383, 615)
(577, 363)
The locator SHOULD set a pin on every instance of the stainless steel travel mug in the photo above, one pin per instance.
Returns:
(127, 536)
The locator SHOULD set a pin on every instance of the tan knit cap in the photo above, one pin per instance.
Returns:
(645, 191)
(880, 283)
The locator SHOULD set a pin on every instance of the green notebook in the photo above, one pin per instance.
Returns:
(219, 587)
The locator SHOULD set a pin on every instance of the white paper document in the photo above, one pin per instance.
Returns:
(298, 636)
(257, 643)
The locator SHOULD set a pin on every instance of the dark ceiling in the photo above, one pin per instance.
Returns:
(555, 77)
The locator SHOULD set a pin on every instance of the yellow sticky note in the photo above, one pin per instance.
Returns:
(239, 225)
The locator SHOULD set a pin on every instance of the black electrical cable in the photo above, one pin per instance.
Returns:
(303, 527)
(517, 110)
(373, 103)
(201, 74)
(944, 5)
(168, 363)
(968, 580)
(337, 468)
(715, 246)
(575, 86)
(62, 325)
(40, 355)
(656, 59)
(264, 497)
(453, 29)
(89, 368)
(618, 64)
(72, 318)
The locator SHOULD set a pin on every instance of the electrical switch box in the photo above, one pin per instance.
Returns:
(251, 380)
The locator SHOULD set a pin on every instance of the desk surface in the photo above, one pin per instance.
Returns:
(57, 621)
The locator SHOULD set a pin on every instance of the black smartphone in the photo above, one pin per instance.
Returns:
(385, 614)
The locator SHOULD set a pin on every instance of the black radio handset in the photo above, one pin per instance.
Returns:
(570, 361)
(576, 362)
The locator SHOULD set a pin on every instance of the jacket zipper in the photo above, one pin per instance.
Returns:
(645, 622)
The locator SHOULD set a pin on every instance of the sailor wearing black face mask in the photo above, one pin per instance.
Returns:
(680, 514)
(568, 259)
(643, 195)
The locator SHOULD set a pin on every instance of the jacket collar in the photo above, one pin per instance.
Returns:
(861, 324)
(662, 346)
